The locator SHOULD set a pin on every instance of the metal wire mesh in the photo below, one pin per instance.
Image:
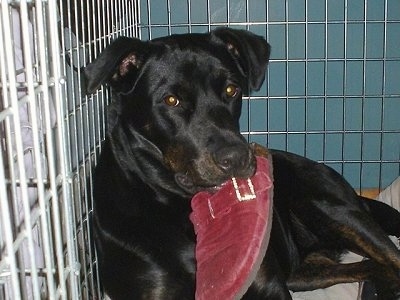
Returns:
(32, 157)
(332, 93)
(50, 138)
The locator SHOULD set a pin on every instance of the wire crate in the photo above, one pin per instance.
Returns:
(332, 94)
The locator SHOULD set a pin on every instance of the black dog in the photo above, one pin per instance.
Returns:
(173, 131)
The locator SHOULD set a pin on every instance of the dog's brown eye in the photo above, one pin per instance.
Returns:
(231, 91)
(171, 101)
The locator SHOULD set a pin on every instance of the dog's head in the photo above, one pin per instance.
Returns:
(183, 94)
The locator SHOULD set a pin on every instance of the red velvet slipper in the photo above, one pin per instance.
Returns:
(232, 228)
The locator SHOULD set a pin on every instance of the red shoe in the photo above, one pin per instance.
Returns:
(233, 228)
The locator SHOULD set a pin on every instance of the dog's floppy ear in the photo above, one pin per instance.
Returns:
(120, 61)
(250, 51)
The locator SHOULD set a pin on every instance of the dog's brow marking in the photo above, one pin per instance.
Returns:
(233, 49)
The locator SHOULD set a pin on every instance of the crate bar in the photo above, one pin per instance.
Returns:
(45, 234)
(344, 82)
(62, 146)
(63, 132)
(287, 74)
(383, 91)
(169, 17)
(209, 15)
(326, 23)
(43, 56)
(8, 62)
(363, 92)
(90, 261)
(306, 60)
(80, 123)
(268, 141)
(249, 122)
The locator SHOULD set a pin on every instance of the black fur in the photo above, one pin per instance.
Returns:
(159, 151)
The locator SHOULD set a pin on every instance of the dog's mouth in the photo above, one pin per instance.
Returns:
(209, 171)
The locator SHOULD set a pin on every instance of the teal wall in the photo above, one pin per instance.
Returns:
(333, 85)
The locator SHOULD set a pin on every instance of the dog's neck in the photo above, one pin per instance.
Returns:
(139, 157)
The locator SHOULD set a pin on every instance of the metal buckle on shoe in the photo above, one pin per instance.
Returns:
(245, 197)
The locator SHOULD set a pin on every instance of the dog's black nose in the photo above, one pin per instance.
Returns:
(232, 159)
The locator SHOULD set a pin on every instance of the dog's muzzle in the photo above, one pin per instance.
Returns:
(235, 160)
(210, 169)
